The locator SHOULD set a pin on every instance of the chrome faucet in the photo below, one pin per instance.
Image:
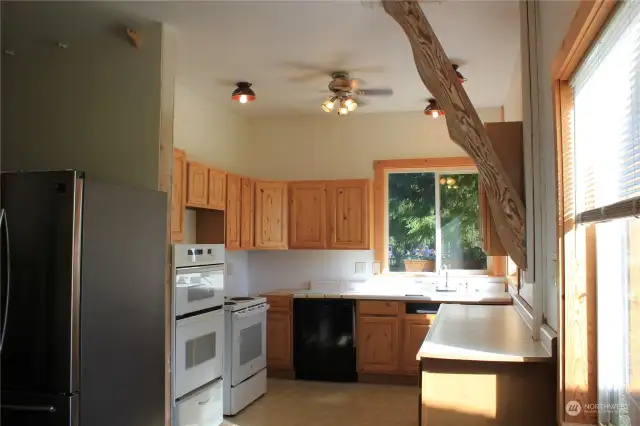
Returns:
(446, 274)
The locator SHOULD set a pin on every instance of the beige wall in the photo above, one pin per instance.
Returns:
(513, 102)
(210, 133)
(94, 107)
(554, 18)
(326, 146)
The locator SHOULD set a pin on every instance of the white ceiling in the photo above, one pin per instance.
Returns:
(274, 43)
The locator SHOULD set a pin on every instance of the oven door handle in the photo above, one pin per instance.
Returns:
(261, 310)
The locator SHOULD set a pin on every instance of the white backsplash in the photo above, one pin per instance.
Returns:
(294, 269)
(237, 278)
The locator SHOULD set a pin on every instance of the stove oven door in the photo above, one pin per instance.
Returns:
(249, 343)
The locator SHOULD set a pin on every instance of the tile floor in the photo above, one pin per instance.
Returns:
(304, 403)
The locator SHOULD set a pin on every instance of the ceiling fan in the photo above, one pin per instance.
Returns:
(345, 92)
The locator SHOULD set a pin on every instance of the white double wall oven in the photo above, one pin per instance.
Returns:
(199, 334)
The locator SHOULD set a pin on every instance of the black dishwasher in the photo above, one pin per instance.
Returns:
(323, 342)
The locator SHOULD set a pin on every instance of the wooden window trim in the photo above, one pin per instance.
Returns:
(381, 169)
(577, 360)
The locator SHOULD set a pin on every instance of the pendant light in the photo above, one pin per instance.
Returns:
(243, 93)
(343, 110)
(433, 109)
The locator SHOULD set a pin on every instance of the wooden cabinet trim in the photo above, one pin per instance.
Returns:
(178, 195)
(233, 212)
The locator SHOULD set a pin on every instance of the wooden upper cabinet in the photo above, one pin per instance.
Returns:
(308, 215)
(178, 195)
(506, 139)
(217, 198)
(197, 184)
(413, 333)
(349, 212)
(271, 215)
(233, 213)
(378, 344)
(247, 216)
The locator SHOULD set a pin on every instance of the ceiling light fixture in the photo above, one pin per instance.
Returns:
(346, 104)
(243, 93)
(343, 110)
(433, 109)
(328, 105)
(459, 74)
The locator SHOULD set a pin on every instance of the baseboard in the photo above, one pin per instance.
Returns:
(280, 374)
(389, 379)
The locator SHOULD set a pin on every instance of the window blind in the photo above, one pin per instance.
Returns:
(606, 123)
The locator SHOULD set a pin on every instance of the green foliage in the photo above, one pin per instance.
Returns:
(412, 217)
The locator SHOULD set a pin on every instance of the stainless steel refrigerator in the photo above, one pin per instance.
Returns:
(83, 289)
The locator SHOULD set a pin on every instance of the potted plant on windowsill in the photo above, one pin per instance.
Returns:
(420, 259)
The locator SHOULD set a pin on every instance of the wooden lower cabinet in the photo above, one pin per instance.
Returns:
(378, 344)
(279, 341)
(414, 330)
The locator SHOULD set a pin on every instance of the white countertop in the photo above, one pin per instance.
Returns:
(445, 297)
(481, 333)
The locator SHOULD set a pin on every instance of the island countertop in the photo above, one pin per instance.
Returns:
(481, 333)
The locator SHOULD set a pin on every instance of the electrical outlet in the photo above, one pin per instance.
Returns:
(361, 267)
(376, 268)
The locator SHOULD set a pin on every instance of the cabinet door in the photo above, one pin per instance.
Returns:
(233, 213)
(217, 199)
(349, 214)
(308, 215)
(178, 195)
(197, 184)
(378, 344)
(413, 333)
(506, 140)
(279, 347)
(271, 215)
(247, 217)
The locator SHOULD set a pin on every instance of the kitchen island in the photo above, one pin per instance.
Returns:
(480, 366)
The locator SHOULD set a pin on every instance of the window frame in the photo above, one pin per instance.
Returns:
(447, 165)
(575, 268)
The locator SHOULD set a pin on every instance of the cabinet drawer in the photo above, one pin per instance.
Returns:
(279, 303)
(378, 307)
(204, 407)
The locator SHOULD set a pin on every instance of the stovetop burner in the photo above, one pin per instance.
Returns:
(241, 298)
(226, 303)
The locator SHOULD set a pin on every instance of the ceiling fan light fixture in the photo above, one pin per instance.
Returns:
(343, 110)
(351, 104)
(327, 106)
(459, 74)
(243, 93)
(433, 109)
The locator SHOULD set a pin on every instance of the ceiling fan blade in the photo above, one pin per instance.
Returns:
(309, 77)
(371, 69)
(374, 92)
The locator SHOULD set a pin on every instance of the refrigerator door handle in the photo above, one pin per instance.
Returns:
(5, 308)
(36, 408)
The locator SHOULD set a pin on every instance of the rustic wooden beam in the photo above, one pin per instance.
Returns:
(465, 127)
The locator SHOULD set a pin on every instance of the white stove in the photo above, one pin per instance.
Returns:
(245, 366)
(234, 304)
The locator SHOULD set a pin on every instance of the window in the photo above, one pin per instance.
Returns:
(599, 178)
(433, 221)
